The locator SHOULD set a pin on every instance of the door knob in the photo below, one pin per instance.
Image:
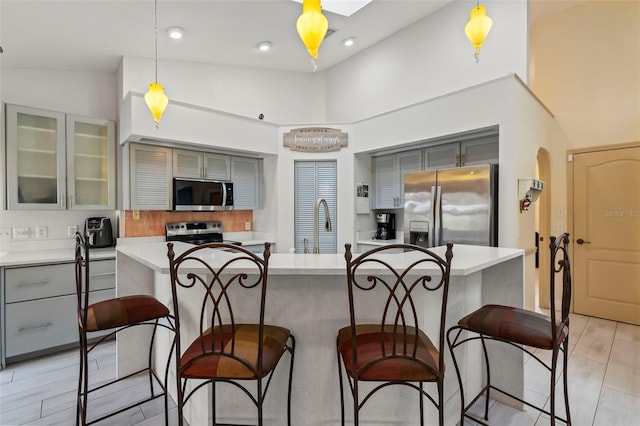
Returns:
(581, 241)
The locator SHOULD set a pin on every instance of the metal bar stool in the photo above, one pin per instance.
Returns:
(226, 349)
(394, 350)
(522, 329)
(104, 320)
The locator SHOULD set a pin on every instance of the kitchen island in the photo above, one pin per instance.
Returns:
(308, 294)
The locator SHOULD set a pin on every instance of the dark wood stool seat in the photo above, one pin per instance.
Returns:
(202, 364)
(515, 325)
(424, 366)
(123, 311)
(525, 330)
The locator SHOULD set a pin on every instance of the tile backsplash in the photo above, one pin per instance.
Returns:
(151, 222)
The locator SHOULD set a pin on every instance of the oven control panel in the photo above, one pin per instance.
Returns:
(193, 228)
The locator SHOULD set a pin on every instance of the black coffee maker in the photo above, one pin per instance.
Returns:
(386, 226)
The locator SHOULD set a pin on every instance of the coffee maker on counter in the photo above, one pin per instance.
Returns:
(386, 226)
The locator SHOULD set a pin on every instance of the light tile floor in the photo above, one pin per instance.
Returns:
(604, 386)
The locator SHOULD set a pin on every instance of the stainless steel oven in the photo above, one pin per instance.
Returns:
(196, 232)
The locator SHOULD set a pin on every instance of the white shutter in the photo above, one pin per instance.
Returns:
(152, 173)
(245, 175)
(315, 180)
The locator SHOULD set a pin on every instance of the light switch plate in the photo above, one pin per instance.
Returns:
(41, 232)
(247, 226)
(71, 231)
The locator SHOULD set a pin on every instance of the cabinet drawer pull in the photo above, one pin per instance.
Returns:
(28, 284)
(103, 274)
(34, 327)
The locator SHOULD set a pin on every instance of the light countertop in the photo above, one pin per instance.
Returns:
(373, 242)
(466, 259)
(52, 255)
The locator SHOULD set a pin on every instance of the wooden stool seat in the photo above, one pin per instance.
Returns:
(373, 363)
(513, 324)
(123, 311)
(203, 364)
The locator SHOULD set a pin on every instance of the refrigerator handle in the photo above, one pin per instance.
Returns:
(431, 219)
(437, 211)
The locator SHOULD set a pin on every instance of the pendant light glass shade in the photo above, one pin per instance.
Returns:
(478, 27)
(312, 26)
(156, 100)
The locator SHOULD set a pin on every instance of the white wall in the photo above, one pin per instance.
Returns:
(283, 97)
(586, 69)
(84, 93)
(431, 58)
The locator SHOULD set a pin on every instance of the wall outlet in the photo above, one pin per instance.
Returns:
(41, 232)
(71, 231)
(5, 233)
(247, 226)
(20, 233)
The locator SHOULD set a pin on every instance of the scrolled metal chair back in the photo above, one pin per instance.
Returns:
(221, 281)
(421, 271)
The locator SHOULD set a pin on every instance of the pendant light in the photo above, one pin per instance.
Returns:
(312, 26)
(155, 98)
(478, 27)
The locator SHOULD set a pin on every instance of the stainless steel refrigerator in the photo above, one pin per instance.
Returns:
(458, 205)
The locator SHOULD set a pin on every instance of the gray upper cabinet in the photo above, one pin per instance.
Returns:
(91, 163)
(57, 161)
(247, 183)
(150, 177)
(389, 173)
(201, 165)
(442, 156)
(152, 169)
(187, 164)
(217, 166)
(389, 170)
(479, 151)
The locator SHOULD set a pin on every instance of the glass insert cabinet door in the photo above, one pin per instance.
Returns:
(90, 163)
(59, 161)
(35, 158)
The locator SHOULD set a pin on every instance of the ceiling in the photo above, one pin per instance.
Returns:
(92, 35)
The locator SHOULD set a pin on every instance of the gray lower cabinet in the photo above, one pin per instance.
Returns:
(40, 308)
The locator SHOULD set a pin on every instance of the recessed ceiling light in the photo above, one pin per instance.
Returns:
(349, 41)
(264, 45)
(175, 32)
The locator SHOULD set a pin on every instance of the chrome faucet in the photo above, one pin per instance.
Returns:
(327, 224)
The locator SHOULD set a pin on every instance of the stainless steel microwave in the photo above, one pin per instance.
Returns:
(202, 195)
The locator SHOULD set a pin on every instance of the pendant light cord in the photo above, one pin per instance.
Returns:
(156, 34)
